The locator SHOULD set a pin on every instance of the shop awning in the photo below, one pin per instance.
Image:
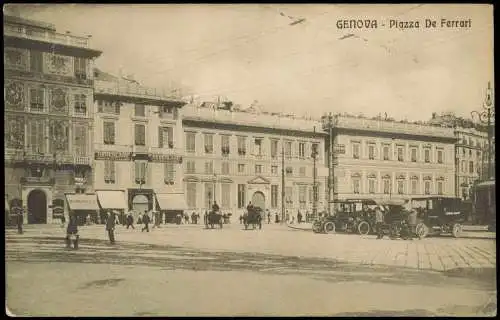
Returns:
(82, 201)
(171, 201)
(112, 199)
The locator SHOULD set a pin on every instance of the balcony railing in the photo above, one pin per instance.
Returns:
(47, 36)
(38, 180)
(127, 88)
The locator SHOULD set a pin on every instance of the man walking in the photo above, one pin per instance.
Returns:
(299, 217)
(145, 221)
(20, 220)
(110, 226)
(268, 216)
(130, 220)
(379, 222)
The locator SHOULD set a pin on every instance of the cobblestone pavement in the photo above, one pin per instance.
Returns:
(445, 253)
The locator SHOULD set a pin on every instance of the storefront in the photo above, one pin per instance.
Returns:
(111, 200)
(84, 206)
(171, 204)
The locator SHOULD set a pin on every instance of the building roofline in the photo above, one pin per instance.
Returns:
(29, 22)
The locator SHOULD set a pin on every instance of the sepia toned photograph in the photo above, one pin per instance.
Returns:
(249, 160)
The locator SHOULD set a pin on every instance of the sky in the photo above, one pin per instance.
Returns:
(246, 53)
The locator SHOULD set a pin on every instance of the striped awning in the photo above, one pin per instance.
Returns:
(171, 201)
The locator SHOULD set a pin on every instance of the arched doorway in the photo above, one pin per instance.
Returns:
(140, 203)
(259, 200)
(37, 207)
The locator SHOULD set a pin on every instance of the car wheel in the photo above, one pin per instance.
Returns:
(329, 227)
(363, 228)
(421, 230)
(456, 230)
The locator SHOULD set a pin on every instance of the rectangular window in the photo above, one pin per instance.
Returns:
(464, 167)
(37, 135)
(110, 107)
(209, 167)
(289, 171)
(288, 149)
(386, 153)
(80, 104)
(414, 188)
(140, 172)
(165, 137)
(190, 166)
(140, 135)
(427, 155)
(274, 148)
(209, 143)
(315, 149)
(80, 68)
(242, 146)
(302, 171)
(471, 166)
(109, 171)
(139, 110)
(356, 186)
(413, 155)
(387, 186)
(241, 168)
(258, 146)
(241, 196)
(36, 61)
(258, 168)
(288, 197)
(191, 194)
(302, 150)
(302, 196)
(224, 145)
(209, 194)
(355, 150)
(440, 156)
(371, 186)
(190, 142)
(109, 132)
(274, 170)
(226, 195)
(371, 152)
(169, 174)
(80, 140)
(37, 99)
(401, 186)
(274, 196)
(225, 167)
(440, 187)
(427, 187)
(400, 154)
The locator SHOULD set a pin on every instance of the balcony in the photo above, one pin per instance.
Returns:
(51, 36)
(141, 149)
(126, 88)
(82, 160)
(38, 180)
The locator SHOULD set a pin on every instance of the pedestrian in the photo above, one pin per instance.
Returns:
(72, 230)
(287, 217)
(186, 218)
(299, 217)
(268, 216)
(145, 221)
(63, 220)
(139, 218)
(20, 220)
(379, 222)
(130, 220)
(110, 226)
(276, 218)
(205, 218)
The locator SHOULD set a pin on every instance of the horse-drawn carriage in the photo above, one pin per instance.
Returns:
(214, 218)
(253, 217)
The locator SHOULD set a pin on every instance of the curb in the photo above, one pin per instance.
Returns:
(303, 229)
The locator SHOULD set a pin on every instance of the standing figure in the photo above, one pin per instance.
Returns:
(299, 217)
(72, 231)
(20, 220)
(379, 222)
(268, 216)
(145, 221)
(287, 217)
(130, 220)
(110, 226)
(276, 218)
(215, 207)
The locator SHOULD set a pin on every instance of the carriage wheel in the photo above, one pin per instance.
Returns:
(364, 228)
(421, 230)
(456, 230)
(329, 227)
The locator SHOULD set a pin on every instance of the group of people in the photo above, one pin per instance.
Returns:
(408, 225)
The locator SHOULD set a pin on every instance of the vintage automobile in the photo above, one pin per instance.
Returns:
(352, 216)
(439, 214)
(395, 218)
(214, 218)
(253, 217)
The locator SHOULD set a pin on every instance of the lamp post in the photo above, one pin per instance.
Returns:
(329, 122)
(314, 155)
(215, 184)
(282, 181)
(487, 116)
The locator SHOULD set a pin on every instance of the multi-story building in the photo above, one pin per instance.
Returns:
(235, 157)
(138, 141)
(48, 89)
(388, 159)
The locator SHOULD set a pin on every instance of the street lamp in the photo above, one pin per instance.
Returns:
(215, 181)
(487, 116)
(329, 122)
(314, 155)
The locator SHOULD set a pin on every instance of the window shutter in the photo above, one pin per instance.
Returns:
(170, 132)
(112, 170)
(160, 137)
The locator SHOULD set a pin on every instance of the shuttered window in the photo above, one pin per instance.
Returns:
(165, 137)
(169, 175)
(109, 171)
(80, 140)
(140, 135)
(226, 195)
(36, 136)
(140, 172)
(191, 194)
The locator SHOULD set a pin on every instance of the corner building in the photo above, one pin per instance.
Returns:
(48, 89)
(138, 146)
(392, 160)
(234, 157)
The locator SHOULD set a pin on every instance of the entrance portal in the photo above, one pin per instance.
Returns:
(37, 207)
(259, 200)
(140, 203)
